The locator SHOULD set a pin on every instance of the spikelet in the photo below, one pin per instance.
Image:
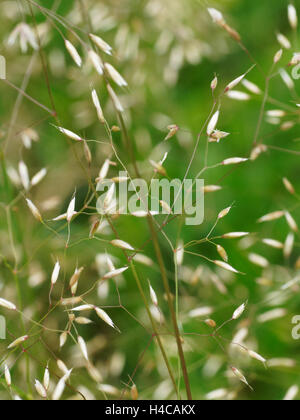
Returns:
(216, 16)
(222, 253)
(292, 16)
(258, 260)
(24, 175)
(68, 133)
(60, 387)
(46, 379)
(83, 321)
(83, 308)
(239, 312)
(114, 273)
(173, 130)
(55, 273)
(271, 216)
(134, 393)
(63, 339)
(211, 323)
(40, 389)
(18, 341)
(224, 213)
(253, 88)
(83, 348)
(240, 376)
(104, 46)
(34, 210)
(7, 375)
(37, 178)
(211, 188)
(291, 221)
(237, 95)
(234, 161)
(8, 305)
(235, 235)
(278, 56)
(235, 82)
(73, 53)
(115, 99)
(122, 245)
(96, 61)
(212, 123)
(98, 107)
(257, 356)
(115, 75)
(226, 266)
(71, 209)
(292, 393)
(153, 295)
(273, 243)
(214, 83)
(288, 185)
(283, 41)
(289, 245)
(179, 253)
(103, 315)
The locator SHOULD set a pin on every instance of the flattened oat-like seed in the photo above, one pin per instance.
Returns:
(283, 41)
(288, 185)
(216, 16)
(292, 15)
(121, 244)
(34, 210)
(234, 161)
(40, 389)
(258, 260)
(115, 99)
(239, 311)
(278, 56)
(235, 235)
(73, 53)
(291, 221)
(226, 266)
(104, 46)
(8, 305)
(115, 75)
(24, 175)
(83, 348)
(7, 375)
(212, 123)
(18, 341)
(96, 61)
(55, 273)
(222, 253)
(39, 177)
(114, 273)
(103, 315)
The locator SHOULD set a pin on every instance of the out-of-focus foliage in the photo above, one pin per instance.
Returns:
(168, 51)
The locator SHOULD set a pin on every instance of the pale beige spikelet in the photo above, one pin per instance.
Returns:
(291, 222)
(115, 75)
(63, 339)
(213, 123)
(240, 376)
(251, 87)
(237, 95)
(134, 392)
(153, 295)
(211, 188)
(7, 375)
(104, 46)
(18, 341)
(235, 235)
(96, 61)
(226, 266)
(224, 212)
(24, 175)
(257, 356)
(283, 41)
(235, 82)
(103, 315)
(223, 254)
(55, 273)
(8, 305)
(40, 389)
(34, 210)
(46, 379)
(73, 53)
(288, 185)
(83, 348)
(258, 260)
(214, 83)
(38, 177)
(116, 101)
(114, 273)
(278, 56)
(71, 209)
(234, 161)
(289, 245)
(122, 245)
(83, 321)
(292, 393)
(273, 243)
(216, 16)
(292, 16)
(68, 133)
(239, 312)
(96, 102)
(271, 216)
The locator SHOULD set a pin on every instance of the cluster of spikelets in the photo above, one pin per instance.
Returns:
(76, 305)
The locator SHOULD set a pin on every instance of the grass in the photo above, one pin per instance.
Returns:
(113, 306)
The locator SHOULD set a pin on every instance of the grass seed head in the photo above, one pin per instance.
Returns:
(73, 53)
